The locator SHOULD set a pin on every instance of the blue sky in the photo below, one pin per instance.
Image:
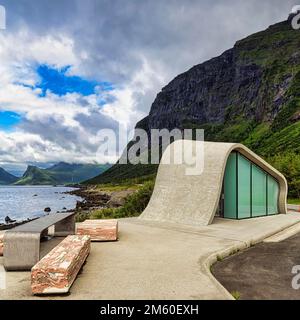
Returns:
(8, 120)
(59, 82)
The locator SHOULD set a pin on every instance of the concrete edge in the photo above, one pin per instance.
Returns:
(284, 234)
(213, 258)
(224, 253)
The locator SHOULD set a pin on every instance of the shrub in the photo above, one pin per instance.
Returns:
(134, 205)
(289, 165)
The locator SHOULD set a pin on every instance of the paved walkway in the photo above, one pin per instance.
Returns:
(158, 260)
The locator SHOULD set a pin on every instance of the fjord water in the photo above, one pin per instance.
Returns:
(24, 202)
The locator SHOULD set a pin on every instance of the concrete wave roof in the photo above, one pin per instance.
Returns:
(194, 199)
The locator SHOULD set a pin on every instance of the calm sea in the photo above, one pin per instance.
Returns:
(30, 201)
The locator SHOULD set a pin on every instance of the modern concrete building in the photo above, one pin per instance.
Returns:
(235, 184)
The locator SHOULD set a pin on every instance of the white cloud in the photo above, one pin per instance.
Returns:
(51, 129)
(137, 45)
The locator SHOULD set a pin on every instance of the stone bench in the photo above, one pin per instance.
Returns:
(56, 272)
(99, 230)
(22, 243)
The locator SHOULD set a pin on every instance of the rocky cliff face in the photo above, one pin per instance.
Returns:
(249, 94)
(205, 93)
(254, 83)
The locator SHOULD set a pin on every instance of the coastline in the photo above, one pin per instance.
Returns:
(95, 198)
(92, 197)
(7, 226)
(20, 221)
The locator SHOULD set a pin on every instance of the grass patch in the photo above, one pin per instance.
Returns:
(236, 295)
(116, 187)
(219, 258)
(82, 216)
(293, 201)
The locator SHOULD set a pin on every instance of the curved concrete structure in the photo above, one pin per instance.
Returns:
(194, 199)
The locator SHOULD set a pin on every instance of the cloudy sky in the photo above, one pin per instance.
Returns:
(69, 68)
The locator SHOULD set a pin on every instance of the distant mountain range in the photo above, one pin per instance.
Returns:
(58, 174)
(6, 178)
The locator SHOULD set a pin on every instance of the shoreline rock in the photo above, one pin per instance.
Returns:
(95, 199)
(15, 224)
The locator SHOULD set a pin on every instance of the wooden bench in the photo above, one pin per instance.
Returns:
(56, 272)
(99, 230)
(22, 244)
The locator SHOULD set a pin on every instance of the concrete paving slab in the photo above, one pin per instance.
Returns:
(158, 260)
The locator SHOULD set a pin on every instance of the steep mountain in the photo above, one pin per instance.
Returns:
(76, 172)
(249, 94)
(35, 176)
(61, 173)
(6, 178)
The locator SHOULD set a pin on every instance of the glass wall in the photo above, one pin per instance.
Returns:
(259, 192)
(230, 187)
(248, 190)
(244, 185)
(273, 193)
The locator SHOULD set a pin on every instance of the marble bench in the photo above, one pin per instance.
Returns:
(56, 272)
(99, 230)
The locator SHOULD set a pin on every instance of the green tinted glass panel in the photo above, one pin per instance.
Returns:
(230, 187)
(259, 192)
(273, 192)
(243, 187)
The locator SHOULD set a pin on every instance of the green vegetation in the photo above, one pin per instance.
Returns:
(293, 201)
(236, 295)
(219, 258)
(61, 173)
(127, 184)
(124, 173)
(289, 164)
(82, 216)
(6, 178)
(134, 205)
(263, 112)
(36, 176)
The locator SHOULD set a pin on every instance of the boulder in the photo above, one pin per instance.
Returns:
(118, 198)
(47, 209)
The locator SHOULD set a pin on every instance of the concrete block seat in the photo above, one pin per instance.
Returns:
(22, 244)
(56, 272)
(99, 230)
